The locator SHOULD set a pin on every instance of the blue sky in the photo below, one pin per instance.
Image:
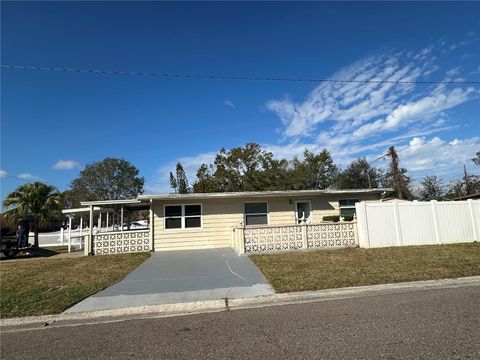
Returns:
(48, 117)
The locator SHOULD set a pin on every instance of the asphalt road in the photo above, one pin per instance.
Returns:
(434, 324)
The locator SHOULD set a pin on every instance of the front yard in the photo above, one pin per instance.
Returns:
(50, 286)
(316, 270)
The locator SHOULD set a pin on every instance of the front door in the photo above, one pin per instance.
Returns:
(303, 212)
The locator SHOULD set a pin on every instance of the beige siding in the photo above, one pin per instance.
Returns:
(220, 216)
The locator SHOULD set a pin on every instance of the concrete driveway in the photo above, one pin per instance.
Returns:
(182, 276)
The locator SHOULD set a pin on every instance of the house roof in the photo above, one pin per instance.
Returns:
(466, 197)
(262, 194)
(130, 202)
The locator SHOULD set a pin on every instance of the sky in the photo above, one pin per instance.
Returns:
(54, 123)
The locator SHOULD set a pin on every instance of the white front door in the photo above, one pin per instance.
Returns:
(303, 212)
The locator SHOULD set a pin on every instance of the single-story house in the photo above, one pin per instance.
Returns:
(207, 220)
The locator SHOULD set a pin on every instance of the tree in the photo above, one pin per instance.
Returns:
(36, 199)
(359, 175)
(431, 188)
(314, 171)
(250, 168)
(109, 179)
(247, 168)
(396, 177)
(179, 182)
(476, 159)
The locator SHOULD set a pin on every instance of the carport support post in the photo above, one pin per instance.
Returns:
(106, 225)
(69, 232)
(151, 224)
(121, 218)
(89, 247)
(81, 230)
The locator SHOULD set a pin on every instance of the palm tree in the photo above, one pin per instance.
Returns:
(36, 199)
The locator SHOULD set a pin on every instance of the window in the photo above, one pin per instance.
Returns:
(256, 213)
(183, 216)
(347, 207)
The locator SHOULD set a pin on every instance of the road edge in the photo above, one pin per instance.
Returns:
(168, 310)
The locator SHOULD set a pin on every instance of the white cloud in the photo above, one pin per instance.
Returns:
(27, 176)
(3, 173)
(436, 156)
(229, 104)
(353, 117)
(65, 165)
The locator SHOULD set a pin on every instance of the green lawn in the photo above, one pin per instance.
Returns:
(324, 269)
(50, 286)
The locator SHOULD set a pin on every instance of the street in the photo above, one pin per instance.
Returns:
(433, 324)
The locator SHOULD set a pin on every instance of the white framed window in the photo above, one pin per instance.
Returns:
(347, 206)
(303, 211)
(187, 216)
(256, 213)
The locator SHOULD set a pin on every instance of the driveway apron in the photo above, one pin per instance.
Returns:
(182, 276)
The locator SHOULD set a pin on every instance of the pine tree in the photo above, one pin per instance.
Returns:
(396, 176)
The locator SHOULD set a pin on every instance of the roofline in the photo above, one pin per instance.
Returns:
(467, 196)
(250, 194)
(110, 202)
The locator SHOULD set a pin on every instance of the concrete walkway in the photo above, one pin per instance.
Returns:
(182, 276)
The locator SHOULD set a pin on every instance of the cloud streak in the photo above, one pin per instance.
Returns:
(65, 165)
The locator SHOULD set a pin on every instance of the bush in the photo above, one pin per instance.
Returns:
(336, 218)
(332, 218)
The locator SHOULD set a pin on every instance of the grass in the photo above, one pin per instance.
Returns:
(50, 286)
(316, 270)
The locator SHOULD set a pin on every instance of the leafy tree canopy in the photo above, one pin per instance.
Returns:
(251, 168)
(431, 188)
(109, 179)
(359, 174)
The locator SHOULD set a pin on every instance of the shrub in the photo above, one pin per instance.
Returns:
(336, 218)
(332, 218)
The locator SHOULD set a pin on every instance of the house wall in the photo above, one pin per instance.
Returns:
(220, 216)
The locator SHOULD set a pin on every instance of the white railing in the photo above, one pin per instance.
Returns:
(254, 239)
(121, 242)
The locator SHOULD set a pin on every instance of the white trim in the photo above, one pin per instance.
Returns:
(255, 202)
(182, 217)
(296, 212)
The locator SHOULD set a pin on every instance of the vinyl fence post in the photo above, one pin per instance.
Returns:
(62, 235)
(396, 216)
(435, 222)
(362, 225)
(472, 219)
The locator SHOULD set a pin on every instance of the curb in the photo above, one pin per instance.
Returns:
(168, 310)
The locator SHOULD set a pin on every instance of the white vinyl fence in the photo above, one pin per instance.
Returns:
(417, 223)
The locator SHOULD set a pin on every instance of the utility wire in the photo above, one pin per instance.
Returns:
(225, 77)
